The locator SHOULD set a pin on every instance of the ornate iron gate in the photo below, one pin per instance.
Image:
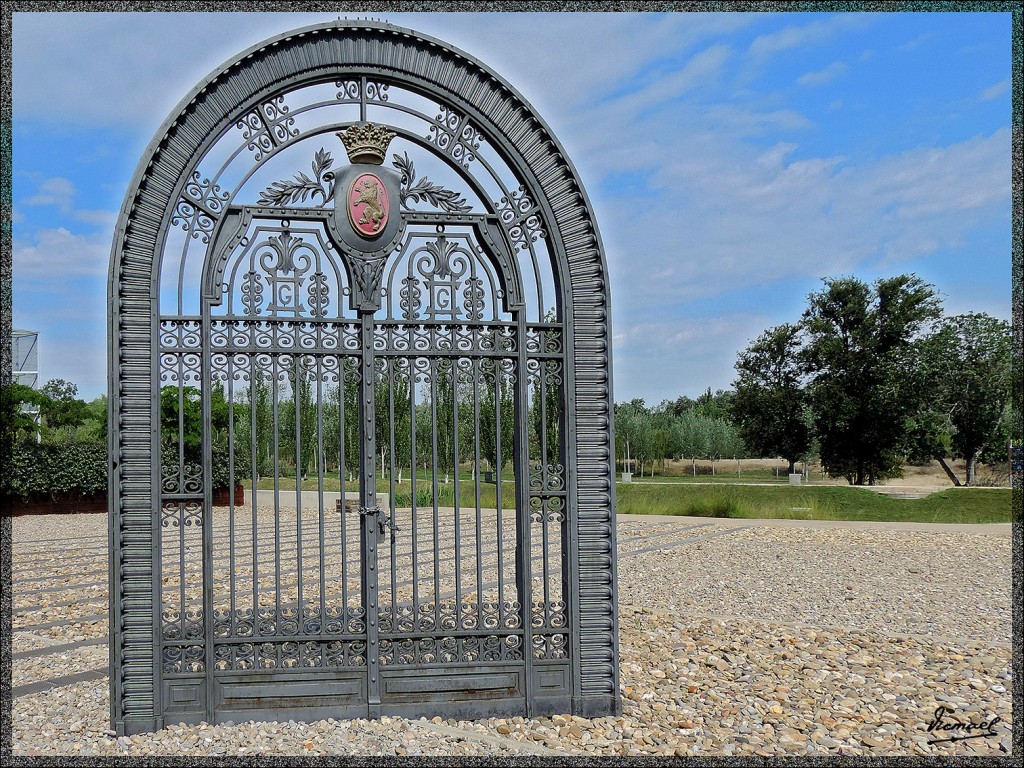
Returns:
(402, 354)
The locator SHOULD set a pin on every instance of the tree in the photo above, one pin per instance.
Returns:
(862, 357)
(715, 406)
(689, 435)
(300, 413)
(391, 396)
(445, 410)
(93, 428)
(545, 414)
(497, 420)
(969, 367)
(184, 426)
(61, 408)
(770, 404)
(19, 422)
(677, 407)
(628, 428)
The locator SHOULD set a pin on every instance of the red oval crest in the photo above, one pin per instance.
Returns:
(368, 205)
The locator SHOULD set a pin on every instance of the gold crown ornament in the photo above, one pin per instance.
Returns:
(366, 143)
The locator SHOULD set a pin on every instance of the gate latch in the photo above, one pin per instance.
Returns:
(383, 520)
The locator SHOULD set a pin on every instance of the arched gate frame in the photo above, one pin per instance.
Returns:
(402, 355)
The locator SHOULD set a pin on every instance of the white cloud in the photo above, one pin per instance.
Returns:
(822, 76)
(699, 70)
(812, 33)
(728, 217)
(56, 191)
(995, 91)
(692, 355)
(934, 182)
(731, 199)
(105, 219)
(58, 252)
(915, 43)
(59, 76)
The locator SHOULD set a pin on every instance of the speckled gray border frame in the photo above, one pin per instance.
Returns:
(329, 52)
(391, 6)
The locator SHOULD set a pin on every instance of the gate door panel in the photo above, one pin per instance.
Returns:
(360, 411)
(288, 572)
(452, 622)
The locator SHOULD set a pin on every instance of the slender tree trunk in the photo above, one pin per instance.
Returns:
(971, 467)
(949, 472)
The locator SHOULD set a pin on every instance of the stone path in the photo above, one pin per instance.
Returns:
(737, 637)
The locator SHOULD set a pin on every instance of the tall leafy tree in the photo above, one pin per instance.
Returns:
(628, 431)
(969, 365)
(61, 408)
(863, 357)
(445, 411)
(497, 420)
(715, 406)
(18, 402)
(770, 404)
(544, 421)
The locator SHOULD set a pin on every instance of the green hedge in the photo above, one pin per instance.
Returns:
(53, 470)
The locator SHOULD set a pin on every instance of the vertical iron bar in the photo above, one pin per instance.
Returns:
(568, 540)
(499, 459)
(252, 501)
(320, 487)
(393, 364)
(277, 498)
(542, 381)
(181, 487)
(206, 514)
(546, 610)
(341, 481)
(181, 425)
(414, 533)
(455, 488)
(476, 492)
(524, 576)
(231, 488)
(297, 398)
(433, 473)
(369, 533)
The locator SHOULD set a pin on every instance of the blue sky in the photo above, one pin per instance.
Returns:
(733, 160)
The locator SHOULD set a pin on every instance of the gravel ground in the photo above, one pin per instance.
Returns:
(759, 640)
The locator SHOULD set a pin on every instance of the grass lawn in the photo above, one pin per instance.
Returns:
(736, 500)
(954, 505)
(424, 489)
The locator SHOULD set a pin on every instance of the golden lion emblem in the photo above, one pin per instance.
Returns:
(369, 193)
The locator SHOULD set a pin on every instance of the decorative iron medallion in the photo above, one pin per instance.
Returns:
(369, 193)
(368, 205)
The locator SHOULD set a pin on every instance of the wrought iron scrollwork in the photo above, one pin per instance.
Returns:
(355, 90)
(267, 126)
(200, 206)
(454, 135)
(520, 218)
